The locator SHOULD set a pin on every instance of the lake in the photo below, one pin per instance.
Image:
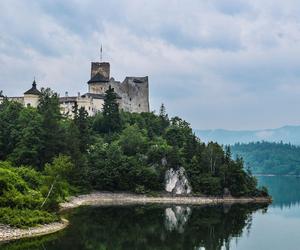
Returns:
(183, 227)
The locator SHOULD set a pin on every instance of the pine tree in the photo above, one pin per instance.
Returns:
(51, 117)
(111, 115)
(28, 134)
(163, 118)
(81, 122)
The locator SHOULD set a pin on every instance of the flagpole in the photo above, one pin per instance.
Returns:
(101, 53)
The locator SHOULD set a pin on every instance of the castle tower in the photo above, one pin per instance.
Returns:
(100, 68)
(31, 96)
(100, 75)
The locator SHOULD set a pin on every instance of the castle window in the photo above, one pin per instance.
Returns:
(130, 99)
(139, 105)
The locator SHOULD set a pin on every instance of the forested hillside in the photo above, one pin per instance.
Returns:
(47, 156)
(269, 158)
(286, 134)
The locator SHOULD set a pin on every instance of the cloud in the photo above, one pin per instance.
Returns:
(230, 63)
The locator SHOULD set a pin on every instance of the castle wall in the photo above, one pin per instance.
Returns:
(98, 88)
(16, 99)
(90, 104)
(134, 92)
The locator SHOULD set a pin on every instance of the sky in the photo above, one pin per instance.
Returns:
(232, 64)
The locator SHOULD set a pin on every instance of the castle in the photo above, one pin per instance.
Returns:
(132, 93)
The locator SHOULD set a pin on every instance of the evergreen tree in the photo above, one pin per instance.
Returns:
(80, 119)
(163, 118)
(29, 131)
(51, 117)
(111, 115)
(78, 136)
(9, 113)
(227, 154)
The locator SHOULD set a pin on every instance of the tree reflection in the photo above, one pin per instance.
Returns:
(148, 227)
(283, 189)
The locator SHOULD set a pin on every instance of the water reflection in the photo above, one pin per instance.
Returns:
(148, 227)
(283, 189)
(176, 217)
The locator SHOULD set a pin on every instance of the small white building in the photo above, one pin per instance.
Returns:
(31, 96)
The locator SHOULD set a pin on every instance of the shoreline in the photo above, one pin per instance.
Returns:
(123, 198)
(274, 175)
(8, 233)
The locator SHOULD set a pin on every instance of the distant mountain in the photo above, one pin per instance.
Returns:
(286, 134)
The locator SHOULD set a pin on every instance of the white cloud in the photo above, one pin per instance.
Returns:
(230, 63)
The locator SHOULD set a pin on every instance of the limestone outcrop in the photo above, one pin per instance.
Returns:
(177, 182)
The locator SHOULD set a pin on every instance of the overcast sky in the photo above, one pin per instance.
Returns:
(231, 64)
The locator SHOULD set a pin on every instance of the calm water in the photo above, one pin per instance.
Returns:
(183, 227)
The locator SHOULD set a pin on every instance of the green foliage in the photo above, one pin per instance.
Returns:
(24, 218)
(57, 179)
(9, 113)
(33, 178)
(15, 192)
(133, 140)
(52, 133)
(28, 134)
(110, 169)
(110, 151)
(269, 158)
(111, 115)
(81, 122)
(23, 190)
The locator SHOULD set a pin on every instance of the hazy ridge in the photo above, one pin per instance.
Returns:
(286, 134)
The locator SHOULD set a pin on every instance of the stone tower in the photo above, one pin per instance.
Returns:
(133, 92)
(100, 76)
(101, 68)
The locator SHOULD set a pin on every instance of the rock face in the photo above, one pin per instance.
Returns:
(176, 182)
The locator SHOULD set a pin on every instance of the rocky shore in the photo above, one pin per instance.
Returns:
(107, 198)
(8, 233)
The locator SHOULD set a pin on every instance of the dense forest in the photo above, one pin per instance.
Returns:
(46, 156)
(269, 157)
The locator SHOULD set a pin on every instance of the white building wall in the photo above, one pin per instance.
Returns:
(31, 101)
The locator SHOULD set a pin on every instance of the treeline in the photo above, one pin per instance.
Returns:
(53, 156)
(269, 157)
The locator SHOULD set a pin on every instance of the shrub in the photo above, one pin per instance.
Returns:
(25, 217)
(14, 191)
